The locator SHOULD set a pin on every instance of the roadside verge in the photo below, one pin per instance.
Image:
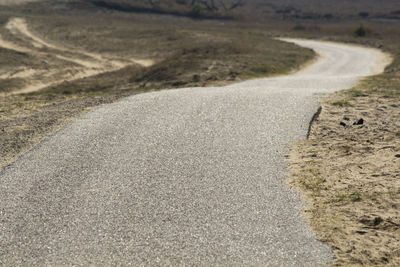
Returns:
(348, 172)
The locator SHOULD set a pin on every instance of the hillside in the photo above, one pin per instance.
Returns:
(15, 2)
(252, 10)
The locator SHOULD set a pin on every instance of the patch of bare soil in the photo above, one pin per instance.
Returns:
(349, 173)
(63, 64)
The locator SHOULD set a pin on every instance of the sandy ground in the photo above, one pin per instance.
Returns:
(349, 173)
(84, 64)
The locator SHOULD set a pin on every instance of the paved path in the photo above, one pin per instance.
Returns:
(188, 176)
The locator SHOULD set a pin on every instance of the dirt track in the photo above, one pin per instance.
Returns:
(66, 64)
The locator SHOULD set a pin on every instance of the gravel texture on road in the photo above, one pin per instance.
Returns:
(193, 176)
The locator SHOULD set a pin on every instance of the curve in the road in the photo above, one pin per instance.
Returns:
(188, 176)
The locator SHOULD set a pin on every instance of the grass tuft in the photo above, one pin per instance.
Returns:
(342, 103)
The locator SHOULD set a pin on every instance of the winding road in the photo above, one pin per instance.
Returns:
(192, 176)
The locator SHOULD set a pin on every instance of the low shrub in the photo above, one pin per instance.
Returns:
(360, 31)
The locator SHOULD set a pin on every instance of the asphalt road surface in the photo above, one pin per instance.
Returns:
(191, 176)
